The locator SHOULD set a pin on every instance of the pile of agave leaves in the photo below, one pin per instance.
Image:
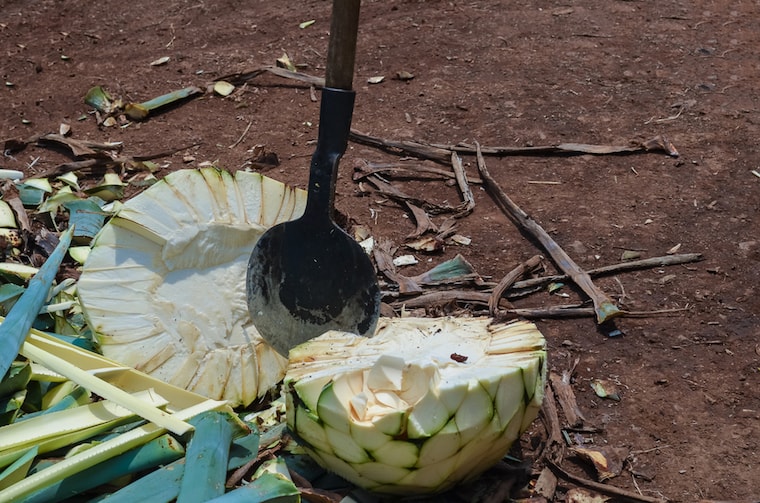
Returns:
(76, 426)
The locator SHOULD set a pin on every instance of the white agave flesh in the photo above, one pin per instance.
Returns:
(402, 412)
(164, 284)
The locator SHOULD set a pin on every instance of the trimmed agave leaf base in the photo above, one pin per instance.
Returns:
(421, 406)
(164, 285)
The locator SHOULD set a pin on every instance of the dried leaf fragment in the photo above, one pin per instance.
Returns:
(428, 244)
(607, 461)
(223, 88)
(405, 260)
(285, 62)
(562, 11)
(630, 255)
(581, 495)
(605, 389)
(160, 61)
(461, 240)
(7, 217)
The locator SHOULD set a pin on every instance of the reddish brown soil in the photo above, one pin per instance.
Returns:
(506, 73)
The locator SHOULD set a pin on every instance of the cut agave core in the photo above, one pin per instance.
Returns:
(421, 406)
(164, 285)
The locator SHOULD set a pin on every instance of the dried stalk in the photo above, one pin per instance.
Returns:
(240, 78)
(392, 192)
(481, 298)
(441, 153)
(566, 397)
(383, 254)
(603, 488)
(657, 143)
(403, 147)
(422, 221)
(464, 187)
(417, 171)
(633, 265)
(604, 307)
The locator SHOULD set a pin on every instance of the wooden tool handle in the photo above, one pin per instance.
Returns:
(341, 52)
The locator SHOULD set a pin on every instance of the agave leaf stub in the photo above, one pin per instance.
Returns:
(404, 412)
(164, 284)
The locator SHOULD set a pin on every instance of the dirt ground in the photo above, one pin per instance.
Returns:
(508, 73)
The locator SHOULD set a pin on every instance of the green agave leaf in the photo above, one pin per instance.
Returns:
(97, 455)
(16, 378)
(99, 99)
(54, 202)
(42, 184)
(9, 294)
(207, 455)
(16, 272)
(19, 321)
(159, 451)
(70, 179)
(17, 470)
(139, 111)
(268, 488)
(30, 195)
(87, 216)
(111, 189)
(10, 407)
(77, 397)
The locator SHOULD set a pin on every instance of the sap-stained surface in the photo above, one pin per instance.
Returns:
(505, 73)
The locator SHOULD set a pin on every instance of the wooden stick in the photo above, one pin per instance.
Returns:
(633, 265)
(603, 488)
(414, 148)
(604, 307)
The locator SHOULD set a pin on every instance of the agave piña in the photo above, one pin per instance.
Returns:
(419, 407)
(164, 285)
